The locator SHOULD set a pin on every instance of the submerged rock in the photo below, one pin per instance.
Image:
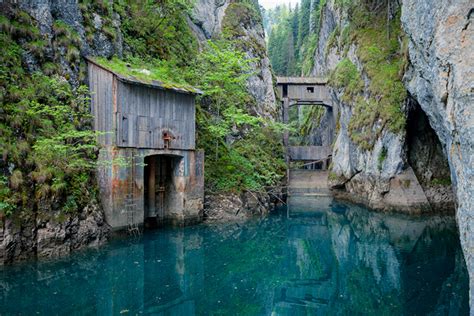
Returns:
(235, 207)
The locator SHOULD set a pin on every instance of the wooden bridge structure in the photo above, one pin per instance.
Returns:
(300, 91)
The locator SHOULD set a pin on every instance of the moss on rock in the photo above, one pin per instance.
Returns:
(381, 53)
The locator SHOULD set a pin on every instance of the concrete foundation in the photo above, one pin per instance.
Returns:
(122, 173)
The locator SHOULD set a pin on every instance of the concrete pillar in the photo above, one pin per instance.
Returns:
(151, 187)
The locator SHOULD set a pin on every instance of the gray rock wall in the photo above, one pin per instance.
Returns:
(46, 12)
(360, 172)
(441, 79)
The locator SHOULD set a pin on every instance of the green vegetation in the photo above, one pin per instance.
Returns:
(346, 75)
(156, 70)
(382, 158)
(254, 158)
(312, 116)
(333, 176)
(157, 30)
(46, 139)
(440, 181)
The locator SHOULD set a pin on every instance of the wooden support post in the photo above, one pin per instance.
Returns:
(300, 114)
(325, 165)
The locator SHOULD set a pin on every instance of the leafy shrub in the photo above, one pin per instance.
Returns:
(45, 132)
(254, 158)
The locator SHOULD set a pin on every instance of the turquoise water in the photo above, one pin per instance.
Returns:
(311, 260)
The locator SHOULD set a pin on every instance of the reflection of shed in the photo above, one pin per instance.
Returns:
(149, 170)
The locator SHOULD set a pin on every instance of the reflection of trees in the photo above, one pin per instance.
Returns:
(372, 254)
(339, 262)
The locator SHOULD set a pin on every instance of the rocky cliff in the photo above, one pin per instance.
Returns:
(241, 22)
(402, 76)
(441, 78)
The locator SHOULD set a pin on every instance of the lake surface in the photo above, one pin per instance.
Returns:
(313, 259)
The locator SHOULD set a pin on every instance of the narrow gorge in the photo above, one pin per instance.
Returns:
(402, 75)
(242, 157)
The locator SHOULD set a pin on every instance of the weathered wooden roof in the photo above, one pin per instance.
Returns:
(148, 83)
(301, 80)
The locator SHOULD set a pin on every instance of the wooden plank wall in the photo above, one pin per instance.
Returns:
(101, 87)
(144, 114)
(300, 92)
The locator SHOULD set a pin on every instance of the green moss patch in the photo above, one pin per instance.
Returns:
(163, 72)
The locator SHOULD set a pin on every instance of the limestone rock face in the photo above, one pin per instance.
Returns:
(207, 21)
(46, 12)
(362, 173)
(440, 82)
(207, 16)
(441, 79)
(42, 238)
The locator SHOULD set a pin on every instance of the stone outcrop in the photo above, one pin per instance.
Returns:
(363, 175)
(45, 238)
(441, 79)
(236, 207)
(47, 12)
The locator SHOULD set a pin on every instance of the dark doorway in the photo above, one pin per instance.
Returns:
(159, 188)
(285, 90)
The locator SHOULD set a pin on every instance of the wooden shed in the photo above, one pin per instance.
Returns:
(149, 170)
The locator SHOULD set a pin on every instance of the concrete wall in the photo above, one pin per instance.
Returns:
(121, 178)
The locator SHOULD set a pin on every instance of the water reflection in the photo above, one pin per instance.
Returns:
(318, 259)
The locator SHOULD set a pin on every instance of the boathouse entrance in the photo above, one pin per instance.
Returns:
(159, 187)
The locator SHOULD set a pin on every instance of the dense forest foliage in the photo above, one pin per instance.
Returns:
(292, 36)
(48, 148)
